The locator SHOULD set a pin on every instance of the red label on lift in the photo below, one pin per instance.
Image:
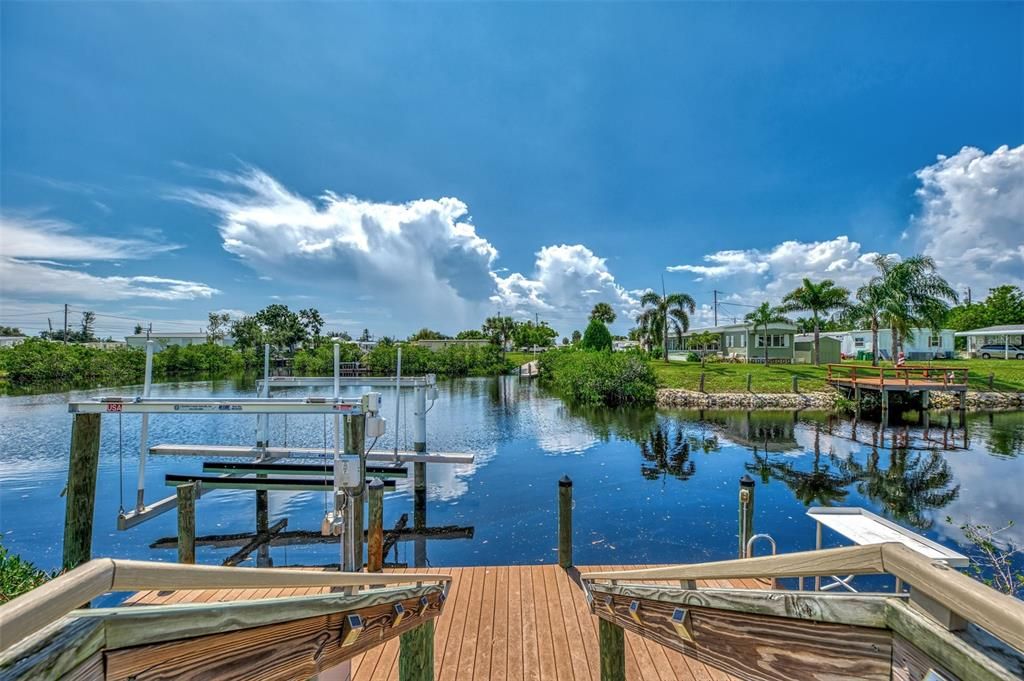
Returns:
(114, 406)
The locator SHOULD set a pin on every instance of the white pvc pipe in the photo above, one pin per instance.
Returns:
(147, 386)
(419, 432)
(337, 428)
(398, 395)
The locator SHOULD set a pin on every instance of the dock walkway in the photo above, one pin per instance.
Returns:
(508, 623)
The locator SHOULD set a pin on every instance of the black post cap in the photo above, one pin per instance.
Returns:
(746, 481)
(565, 481)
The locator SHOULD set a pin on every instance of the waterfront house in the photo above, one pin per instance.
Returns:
(163, 340)
(11, 341)
(743, 342)
(921, 344)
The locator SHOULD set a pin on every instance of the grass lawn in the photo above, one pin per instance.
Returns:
(778, 378)
(519, 358)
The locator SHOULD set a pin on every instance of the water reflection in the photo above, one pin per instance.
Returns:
(913, 484)
(651, 486)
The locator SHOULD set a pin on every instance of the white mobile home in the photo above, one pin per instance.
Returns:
(924, 344)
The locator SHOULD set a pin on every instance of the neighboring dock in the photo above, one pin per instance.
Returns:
(530, 369)
(519, 622)
(921, 380)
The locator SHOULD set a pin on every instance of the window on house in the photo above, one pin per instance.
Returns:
(774, 341)
(935, 341)
(858, 341)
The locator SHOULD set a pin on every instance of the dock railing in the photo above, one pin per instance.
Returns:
(941, 599)
(29, 613)
(931, 377)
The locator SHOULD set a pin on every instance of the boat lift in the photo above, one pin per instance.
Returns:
(349, 479)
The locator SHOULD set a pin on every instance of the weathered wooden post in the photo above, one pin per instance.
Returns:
(375, 535)
(925, 399)
(796, 384)
(187, 494)
(612, 642)
(565, 522)
(750, 377)
(81, 490)
(746, 513)
(991, 381)
(701, 388)
(416, 653)
(355, 443)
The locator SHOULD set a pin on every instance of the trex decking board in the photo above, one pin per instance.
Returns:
(508, 623)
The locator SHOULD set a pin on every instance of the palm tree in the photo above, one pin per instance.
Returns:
(913, 294)
(500, 330)
(603, 312)
(662, 311)
(818, 299)
(764, 315)
(703, 340)
(870, 309)
(822, 484)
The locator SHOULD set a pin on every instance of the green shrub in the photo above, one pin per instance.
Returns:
(203, 359)
(692, 357)
(597, 336)
(320, 361)
(452, 361)
(597, 377)
(39, 362)
(18, 576)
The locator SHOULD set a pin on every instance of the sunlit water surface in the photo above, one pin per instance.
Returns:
(651, 486)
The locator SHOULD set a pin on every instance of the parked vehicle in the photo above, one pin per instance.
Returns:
(998, 351)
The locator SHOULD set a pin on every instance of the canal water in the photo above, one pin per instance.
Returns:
(651, 486)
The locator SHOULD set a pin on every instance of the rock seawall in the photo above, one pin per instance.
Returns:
(979, 400)
(691, 399)
(675, 397)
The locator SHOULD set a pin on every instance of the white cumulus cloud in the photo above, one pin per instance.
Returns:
(972, 216)
(566, 283)
(423, 258)
(756, 274)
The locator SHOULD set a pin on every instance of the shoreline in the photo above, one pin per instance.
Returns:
(828, 399)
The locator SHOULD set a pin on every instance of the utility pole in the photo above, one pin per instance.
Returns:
(65, 323)
(149, 330)
(968, 295)
(715, 291)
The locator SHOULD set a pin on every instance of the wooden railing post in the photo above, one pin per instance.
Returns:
(187, 494)
(612, 642)
(81, 490)
(416, 653)
(565, 522)
(375, 535)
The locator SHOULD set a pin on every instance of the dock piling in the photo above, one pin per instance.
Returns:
(416, 653)
(355, 443)
(750, 377)
(701, 388)
(81, 490)
(612, 642)
(796, 384)
(565, 522)
(375, 536)
(187, 494)
(746, 513)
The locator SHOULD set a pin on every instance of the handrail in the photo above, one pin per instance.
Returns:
(849, 372)
(997, 613)
(47, 603)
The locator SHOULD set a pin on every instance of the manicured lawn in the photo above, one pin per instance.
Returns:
(778, 378)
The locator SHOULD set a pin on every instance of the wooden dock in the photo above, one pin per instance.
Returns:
(508, 623)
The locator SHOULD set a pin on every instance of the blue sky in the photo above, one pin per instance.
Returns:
(402, 165)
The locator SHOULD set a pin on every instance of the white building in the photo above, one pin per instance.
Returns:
(165, 340)
(11, 341)
(923, 344)
(995, 341)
